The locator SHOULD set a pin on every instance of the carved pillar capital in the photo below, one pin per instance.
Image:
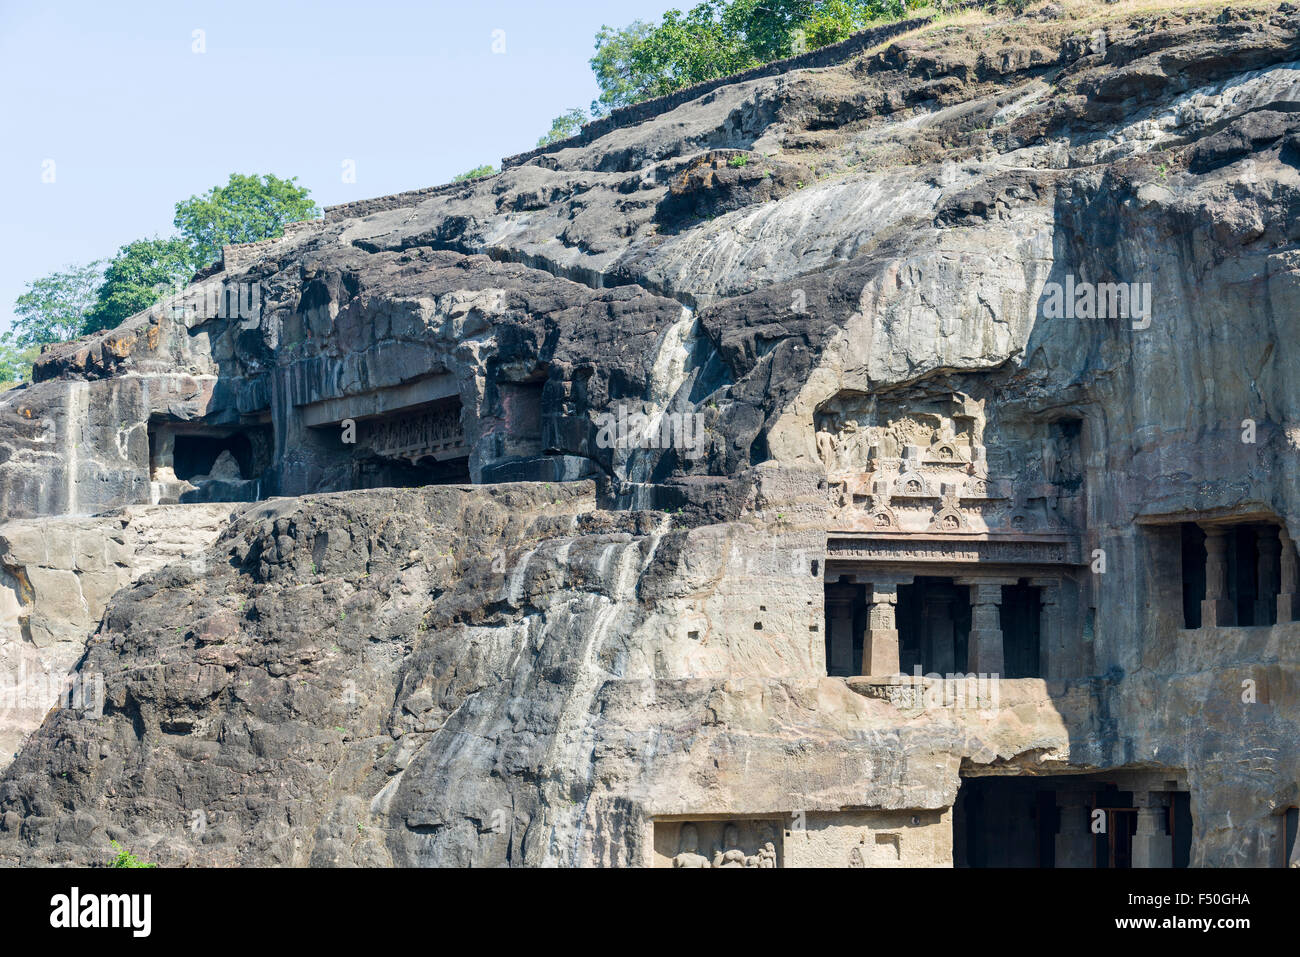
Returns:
(986, 593)
(1152, 846)
(882, 593)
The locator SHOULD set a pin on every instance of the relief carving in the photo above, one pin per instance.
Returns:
(731, 843)
(910, 450)
(430, 433)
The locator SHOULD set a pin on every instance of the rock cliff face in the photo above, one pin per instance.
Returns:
(612, 510)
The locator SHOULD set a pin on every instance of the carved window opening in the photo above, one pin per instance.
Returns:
(1021, 614)
(1240, 574)
(846, 617)
(934, 622)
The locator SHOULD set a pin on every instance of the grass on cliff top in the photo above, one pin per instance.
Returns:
(1080, 14)
(1090, 11)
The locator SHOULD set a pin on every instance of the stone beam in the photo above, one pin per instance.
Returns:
(403, 398)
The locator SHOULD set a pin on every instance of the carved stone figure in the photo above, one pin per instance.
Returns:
(767, 852)
(730, 853)
(688, 848)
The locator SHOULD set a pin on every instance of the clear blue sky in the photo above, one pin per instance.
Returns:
(134, 120)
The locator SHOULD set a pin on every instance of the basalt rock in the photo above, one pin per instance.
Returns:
(840, 465)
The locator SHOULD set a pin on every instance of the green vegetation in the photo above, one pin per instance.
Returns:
(54, 307)
(564, 126)
(16, 364)
(246, 209)
(720, 37)
(125, 858)
(131, 279)
(82, 299)
(478, 172)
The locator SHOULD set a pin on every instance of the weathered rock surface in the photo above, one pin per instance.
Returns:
(56, 578)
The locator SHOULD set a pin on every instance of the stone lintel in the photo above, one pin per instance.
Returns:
(398, 399)
(982, 580)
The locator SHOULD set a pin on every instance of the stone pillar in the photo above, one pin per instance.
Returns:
(1288, 608)
(1074, 838)
(880, 643)
(1216, 610)
(1269, 549)
(1152, 846)
(839, 609)
(1051, 641)
(985, 644)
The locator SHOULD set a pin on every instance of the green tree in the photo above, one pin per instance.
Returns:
(766, 29)
(15, 363)
(478, 172)
(54, 307)
(616, 74)
(564, 126)
(834, 20)
(644, 61)
(246, 209)
(133, 277)
(720, 37)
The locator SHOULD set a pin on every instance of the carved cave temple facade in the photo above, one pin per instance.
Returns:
(953, 583)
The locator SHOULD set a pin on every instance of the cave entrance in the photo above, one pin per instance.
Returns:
(189, 463)
(1071, 821)
(935, 625)
(195, 456)
(390, 473)
(190, 454)
(417, 446)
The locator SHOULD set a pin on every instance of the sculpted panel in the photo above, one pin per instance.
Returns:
(430, 433)
(718, 843)
(899, 463)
